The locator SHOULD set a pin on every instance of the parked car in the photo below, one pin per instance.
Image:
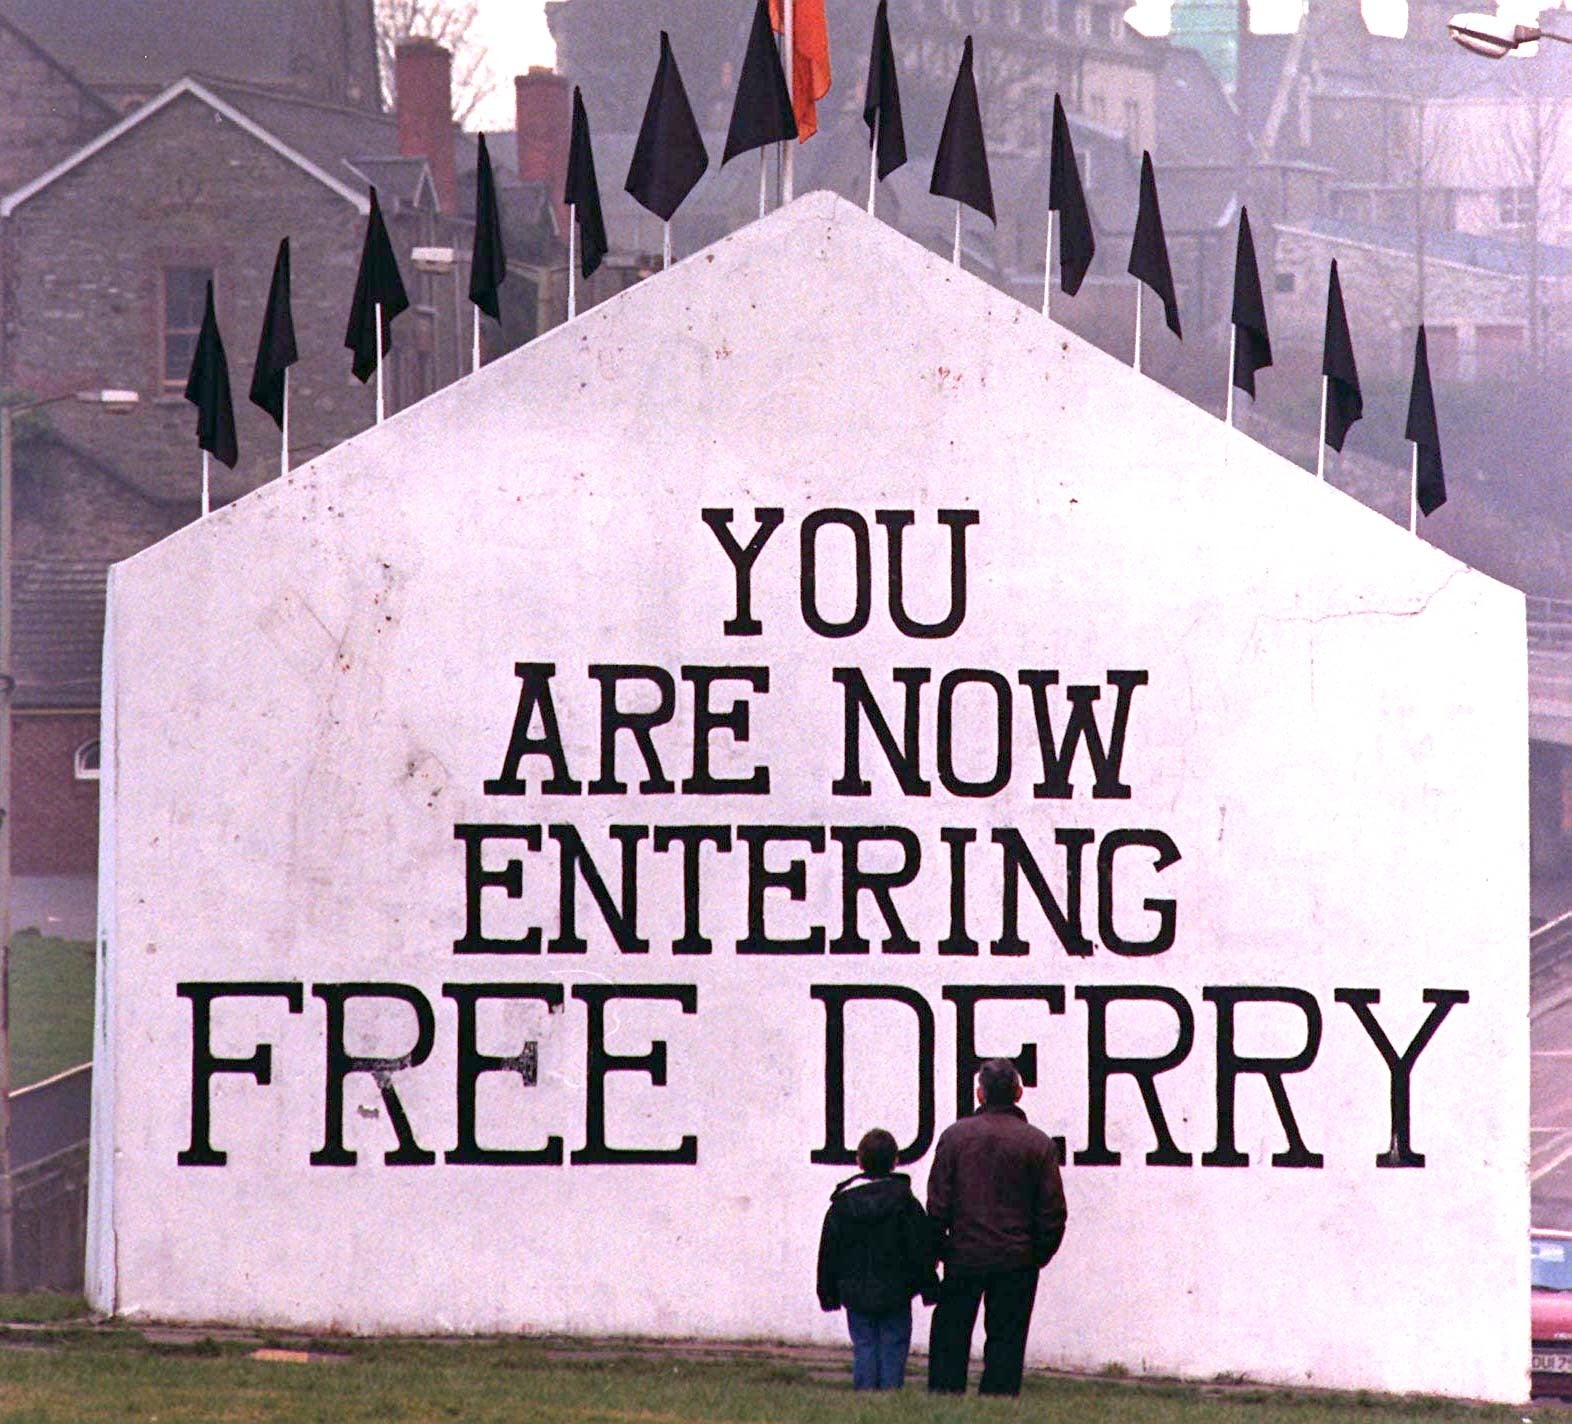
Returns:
(1550, 1311)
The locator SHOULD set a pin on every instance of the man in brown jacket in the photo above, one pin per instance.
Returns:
(997, 1207)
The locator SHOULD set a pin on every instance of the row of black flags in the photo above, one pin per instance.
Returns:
(669, 158)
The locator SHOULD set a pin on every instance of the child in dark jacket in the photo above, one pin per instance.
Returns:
(875, 1254)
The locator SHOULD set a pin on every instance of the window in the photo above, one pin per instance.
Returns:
(184, 299)
(1097, 107)
(1283, 283)
(1514, 206)
(1132, 121)
(84, 764)
(1443, 346)
(1498, 350)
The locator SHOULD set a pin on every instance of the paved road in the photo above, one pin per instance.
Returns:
(62, 905)
(1550, 1107)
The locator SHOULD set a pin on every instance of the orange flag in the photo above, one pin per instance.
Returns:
(810, 60)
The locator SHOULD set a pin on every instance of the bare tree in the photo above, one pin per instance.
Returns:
(1533, 139)
(451, 23)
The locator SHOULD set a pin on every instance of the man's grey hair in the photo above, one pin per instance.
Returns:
(999, 1082)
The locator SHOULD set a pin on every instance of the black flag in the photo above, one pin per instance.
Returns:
(669, 156)
(960, 168)
(1344, 403)
(378, 281)
(761, 114)
(1430, 483)
(1067, 198)
(583, 192)
(1149, 249)
(207, 388)
(488, 263)
(1252, 346)
(276, 350)
(882, 98)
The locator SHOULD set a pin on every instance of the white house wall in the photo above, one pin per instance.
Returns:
(312, 689)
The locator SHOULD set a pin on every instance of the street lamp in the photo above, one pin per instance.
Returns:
(104, 400)
(1494, 37)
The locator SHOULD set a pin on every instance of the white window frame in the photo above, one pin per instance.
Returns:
(80, 769)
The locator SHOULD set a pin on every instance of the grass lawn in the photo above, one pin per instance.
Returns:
(82, 1375)
(51, 1006)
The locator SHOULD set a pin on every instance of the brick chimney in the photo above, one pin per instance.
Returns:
(423, 96)
(544, 120)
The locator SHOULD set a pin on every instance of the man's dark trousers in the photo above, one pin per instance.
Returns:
(1006, 1297)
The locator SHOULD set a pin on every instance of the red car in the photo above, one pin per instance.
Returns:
(1550, 1312)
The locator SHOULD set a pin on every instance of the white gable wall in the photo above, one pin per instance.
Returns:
(310, 689)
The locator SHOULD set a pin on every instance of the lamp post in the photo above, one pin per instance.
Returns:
(1494, 37)
(106, 400)
(439, 262)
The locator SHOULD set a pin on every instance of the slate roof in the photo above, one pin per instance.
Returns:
(58, 631)
(357, 147)
(1486, 254)
(145, 44)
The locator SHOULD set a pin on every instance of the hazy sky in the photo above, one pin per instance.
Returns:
(515, 31)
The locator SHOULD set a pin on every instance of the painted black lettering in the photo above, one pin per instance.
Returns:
(847, 519)
(707, 720)
(205, 1063)
(952, 781)
(968, 1059)
(1102, 1065)
(793, 880)
(957, 521)
(621, 915)
(958, 941)
(859, 703)
(477, 878)
(596, 1151)
(341, 1064)
(692, 839)
(534, 694)
(640, 725)
(1166, 910)
(1106, 756)
(743, 557)
(1400, 1067)
(835, 997)
(1018, 859)
(880, 884)
(1232, 1065)
(472, 1063)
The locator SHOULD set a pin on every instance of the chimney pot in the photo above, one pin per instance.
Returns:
(544, 122)
(423, 97)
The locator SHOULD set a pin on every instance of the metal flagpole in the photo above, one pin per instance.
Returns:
(205, 460)
(283, 430)
(377, 317)
(1320, 453)
(573, 302)
(764, 184)
(873, 163)
(665, 246)
(1413, 494)
(1048, 264)
(789, 176)
(1233, 351)
(957, 257)
(1138, 289)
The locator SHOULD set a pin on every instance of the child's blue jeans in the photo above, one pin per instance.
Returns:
(879, 1347)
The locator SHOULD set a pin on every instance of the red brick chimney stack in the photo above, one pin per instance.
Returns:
(423, 96)
(544, 120)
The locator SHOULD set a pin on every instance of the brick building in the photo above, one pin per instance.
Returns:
(129, 182)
